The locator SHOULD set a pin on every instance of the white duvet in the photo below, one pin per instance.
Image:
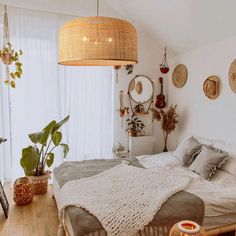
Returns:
(219, 195)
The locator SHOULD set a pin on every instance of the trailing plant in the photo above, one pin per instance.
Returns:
(9, 55)
(168, 119)
(135, 125)
(35, 157)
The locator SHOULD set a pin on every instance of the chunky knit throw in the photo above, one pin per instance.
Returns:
(124, 199)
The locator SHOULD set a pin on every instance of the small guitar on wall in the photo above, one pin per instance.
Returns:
(160, 99)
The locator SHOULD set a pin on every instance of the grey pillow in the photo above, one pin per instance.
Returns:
(207, 162)
(187, 151)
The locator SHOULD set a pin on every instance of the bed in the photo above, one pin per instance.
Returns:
(215, 200)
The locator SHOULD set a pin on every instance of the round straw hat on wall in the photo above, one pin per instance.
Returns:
(180, 75)
(211, 87)
(97, 41)
(232, 76)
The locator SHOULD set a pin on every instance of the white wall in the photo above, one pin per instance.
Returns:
(198, 114)
(149, 56)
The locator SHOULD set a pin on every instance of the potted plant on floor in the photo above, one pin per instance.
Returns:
(135, 126)
(39, 155)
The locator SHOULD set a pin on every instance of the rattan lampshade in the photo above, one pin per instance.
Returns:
(97, 41)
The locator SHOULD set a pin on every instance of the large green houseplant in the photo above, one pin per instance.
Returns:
(41, 154)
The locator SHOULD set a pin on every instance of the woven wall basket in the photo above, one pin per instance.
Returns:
(232, 76)
(180, 76)
(22, 191)
(40, 183)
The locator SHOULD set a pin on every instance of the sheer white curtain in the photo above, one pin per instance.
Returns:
(48, 91)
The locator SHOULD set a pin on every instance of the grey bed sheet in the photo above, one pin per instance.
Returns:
(182, 205)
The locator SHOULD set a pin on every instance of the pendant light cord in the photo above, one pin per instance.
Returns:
(97, 7)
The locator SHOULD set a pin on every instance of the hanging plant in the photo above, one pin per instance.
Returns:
(9, 56)
(164, 67)
(129, 69)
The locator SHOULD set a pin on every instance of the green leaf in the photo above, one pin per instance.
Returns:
(50, 159)
(30, 159)
(12, 75)
(20, 52)
(65, 149)
(17, 74)
(36, 137)
(59, 124)
(13, 84)
(7, 82)
(47, 131)
(56, 137)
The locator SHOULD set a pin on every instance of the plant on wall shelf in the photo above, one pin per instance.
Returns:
(135, 126)
(168, 120)
(8, 56)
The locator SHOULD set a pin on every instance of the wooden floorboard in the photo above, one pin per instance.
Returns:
(39, 218)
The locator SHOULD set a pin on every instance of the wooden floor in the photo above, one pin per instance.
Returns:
(39, 218)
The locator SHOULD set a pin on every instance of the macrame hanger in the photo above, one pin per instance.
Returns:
(6, 40)
(6, 36)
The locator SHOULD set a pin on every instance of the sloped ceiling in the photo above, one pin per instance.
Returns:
(182, 25)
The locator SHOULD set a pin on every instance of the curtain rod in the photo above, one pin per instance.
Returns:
(42, 11)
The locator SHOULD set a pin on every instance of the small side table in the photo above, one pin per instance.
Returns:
(174, 231)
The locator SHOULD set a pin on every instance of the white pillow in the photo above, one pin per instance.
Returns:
(230, 165)
(187, 151)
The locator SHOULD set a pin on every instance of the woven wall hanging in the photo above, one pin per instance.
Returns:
(180, 76)
(232, 76)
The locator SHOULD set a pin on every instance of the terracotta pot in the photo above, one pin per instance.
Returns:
(40, 183)
(132, 133)
(7, 58)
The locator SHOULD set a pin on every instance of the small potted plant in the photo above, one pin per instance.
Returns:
(9, 55)
(168, 120)
(118, 150)
(135, 126)
(39, 155)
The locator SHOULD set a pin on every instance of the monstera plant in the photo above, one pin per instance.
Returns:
(35, 157)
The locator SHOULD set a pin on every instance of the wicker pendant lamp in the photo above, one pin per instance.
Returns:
(97, 41)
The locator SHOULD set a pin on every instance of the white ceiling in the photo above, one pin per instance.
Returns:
(182, 25)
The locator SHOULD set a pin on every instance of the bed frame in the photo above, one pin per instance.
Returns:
(223, 229)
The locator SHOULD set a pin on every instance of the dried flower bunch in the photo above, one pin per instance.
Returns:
(168, 120)
(9, 55)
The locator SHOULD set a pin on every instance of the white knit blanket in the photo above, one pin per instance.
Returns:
(124, 199)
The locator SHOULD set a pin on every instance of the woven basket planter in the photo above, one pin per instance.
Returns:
(22, 191)
(40, 183)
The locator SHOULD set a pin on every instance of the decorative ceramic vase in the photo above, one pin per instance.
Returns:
(165, 149)
(40, 183)
(23, 193)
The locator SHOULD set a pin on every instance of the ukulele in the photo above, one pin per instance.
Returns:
(160, 99)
